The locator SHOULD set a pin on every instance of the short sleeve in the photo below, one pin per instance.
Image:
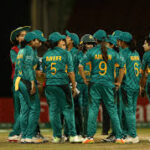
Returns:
(144, 61)
(70, 62)
(13, 56)
(120, 60)
(86, 58)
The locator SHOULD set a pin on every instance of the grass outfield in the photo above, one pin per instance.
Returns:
(143, 134)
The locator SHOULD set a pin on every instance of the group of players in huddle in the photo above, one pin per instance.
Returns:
(79, 75)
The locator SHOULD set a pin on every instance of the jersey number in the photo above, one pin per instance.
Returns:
(136, 69)
(53, 68)
(103, 68)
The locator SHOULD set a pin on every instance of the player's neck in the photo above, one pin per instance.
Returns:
(70, 46)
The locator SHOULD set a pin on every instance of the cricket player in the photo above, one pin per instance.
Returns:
(16, 37)
(57, 91)
(102, 86)
(130, 84)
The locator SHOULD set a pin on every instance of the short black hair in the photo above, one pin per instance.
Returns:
(52, 45)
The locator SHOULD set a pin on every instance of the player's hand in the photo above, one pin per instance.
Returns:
(74, 92)
(33, 89)
(142, 91)
(39, 73)
(117, 84)
(40, 84)
(86, 82)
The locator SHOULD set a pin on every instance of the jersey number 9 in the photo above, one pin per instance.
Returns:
(103, 68)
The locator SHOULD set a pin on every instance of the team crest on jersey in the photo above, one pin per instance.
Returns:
(91, 37)
(19, 56)
(29, 57)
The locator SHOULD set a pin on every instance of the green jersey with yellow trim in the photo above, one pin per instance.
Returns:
(132, 69)
(78, 57)
(25, 64)
(102, 72)
(146, 64)
(13, 55)
(54, 64)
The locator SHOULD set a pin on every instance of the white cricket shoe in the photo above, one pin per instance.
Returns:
(56, 140)
(36, 140)
(74, 139)
(28, 140)
(14, 138)
(130, 139)
(22, 140)
(81, 138)
(33, 140)
(64, 139)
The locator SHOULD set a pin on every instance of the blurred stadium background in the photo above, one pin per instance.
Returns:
(79, 16)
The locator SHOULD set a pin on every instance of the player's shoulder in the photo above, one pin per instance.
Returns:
(15, 48)
(146, 54)
(79, 55)
(93, 50)
(65, 52)
(28, 48)
(136, 53)
(112, 52)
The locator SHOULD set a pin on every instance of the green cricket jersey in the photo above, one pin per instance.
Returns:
(37, 62)
(13, 55)
(146, 63)
(26, 64)
(132, 69)
(54, 64)
(102, 72)
(74, 52)
(87, 66)
(117, 65)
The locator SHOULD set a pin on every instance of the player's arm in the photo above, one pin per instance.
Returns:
(143, 74)
(13, 56)
(83, 62)
(81, 72)
(29, 68)
(39, 68)
(121, 62)
(120, 77)
(71, 74)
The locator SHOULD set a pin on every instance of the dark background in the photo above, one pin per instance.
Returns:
(86, 17)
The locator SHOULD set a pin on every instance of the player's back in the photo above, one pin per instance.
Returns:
(101, 71)
(132, 70)
(54, 65)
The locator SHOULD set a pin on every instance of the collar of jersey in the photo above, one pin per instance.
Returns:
(58, 48)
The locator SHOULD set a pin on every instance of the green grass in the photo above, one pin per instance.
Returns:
(143, 134)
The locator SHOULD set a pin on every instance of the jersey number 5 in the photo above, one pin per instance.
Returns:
(53, 68)
(103, 68)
